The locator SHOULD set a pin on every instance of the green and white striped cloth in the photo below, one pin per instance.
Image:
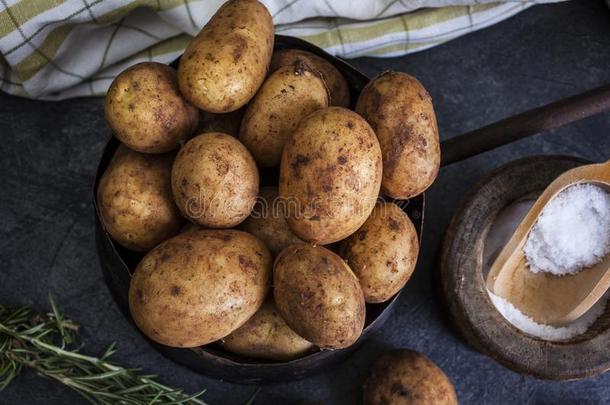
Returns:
(53, 49)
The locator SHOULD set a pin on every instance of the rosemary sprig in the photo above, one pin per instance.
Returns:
(45, 344)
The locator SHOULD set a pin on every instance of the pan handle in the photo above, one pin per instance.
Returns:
(531, 122)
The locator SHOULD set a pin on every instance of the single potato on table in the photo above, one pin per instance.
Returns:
(225, 64)
(335, 82)
(405, 377)
(146, 111)
(268, 221)
(289, 94)
(266, 336)
(135, 202)
(383, 252)
(330, 173)
(199, 286)
(318, 296)
(215, 180)
(400, 111)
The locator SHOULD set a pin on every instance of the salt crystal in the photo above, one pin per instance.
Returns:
(572, 233)
(505, 225)
(547, 332)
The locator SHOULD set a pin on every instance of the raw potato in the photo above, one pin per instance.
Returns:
(215, 180)
(266, 336)
(318, 296)
(331, 173)
(135, 202)
(226, 123)
(226, 63)
(383, 252)
(268, 221)
(405, 377)
(337, 86)
(145, 110)
(199, 286)
(400, 111)
(289, 94)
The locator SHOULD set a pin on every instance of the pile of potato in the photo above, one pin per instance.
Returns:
(272, 272)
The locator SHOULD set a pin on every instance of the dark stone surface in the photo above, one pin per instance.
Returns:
(50, 150)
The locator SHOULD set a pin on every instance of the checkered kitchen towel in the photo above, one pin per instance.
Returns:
(54, 49)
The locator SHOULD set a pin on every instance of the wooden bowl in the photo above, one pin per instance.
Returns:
(119, 263)
(465, 294)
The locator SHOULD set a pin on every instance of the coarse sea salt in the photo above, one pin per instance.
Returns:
(572, 232)
(547, 332)
(499, 234)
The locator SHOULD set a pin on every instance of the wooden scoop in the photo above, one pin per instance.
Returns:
(547, 298)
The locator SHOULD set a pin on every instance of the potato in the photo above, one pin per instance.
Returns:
(135, 202)
(318, 296)
(145, 110)
(337, 86)
(289, 94)
(266, 336)
(268, 221)
(228, 123)
(199, 286)
(330, 173)
(383, 252)
(400, 111)
(225, 64)
(215, 180)
(405, 377)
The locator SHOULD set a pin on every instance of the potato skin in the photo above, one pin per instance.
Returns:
(331, 171)
(267, 336)
(318, 296)
(405, 377)
(400, 111)
(337, 86)
(146, 111)
(215, 180)
(199, 286)
(134, 199)
(383, 252)
(268, 221)
(226, 63)
(288, 95)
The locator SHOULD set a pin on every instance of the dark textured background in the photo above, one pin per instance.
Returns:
(49, 153)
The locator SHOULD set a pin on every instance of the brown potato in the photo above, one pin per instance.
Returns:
(215, 180)
(330, 173)
(400, 111)
(268, 221)
(289, 94)
(405, 377)
(145, 110)
(228, 123)
(266, 336)
(135, 202)
(383, 252)
(318, 296)
(199, 286)
(337, 86)
(226, 63)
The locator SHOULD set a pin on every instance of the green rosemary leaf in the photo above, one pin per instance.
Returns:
(44, 343)
(253, 397)
(102, 376)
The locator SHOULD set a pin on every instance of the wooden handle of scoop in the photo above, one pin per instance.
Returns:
(528, 123)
